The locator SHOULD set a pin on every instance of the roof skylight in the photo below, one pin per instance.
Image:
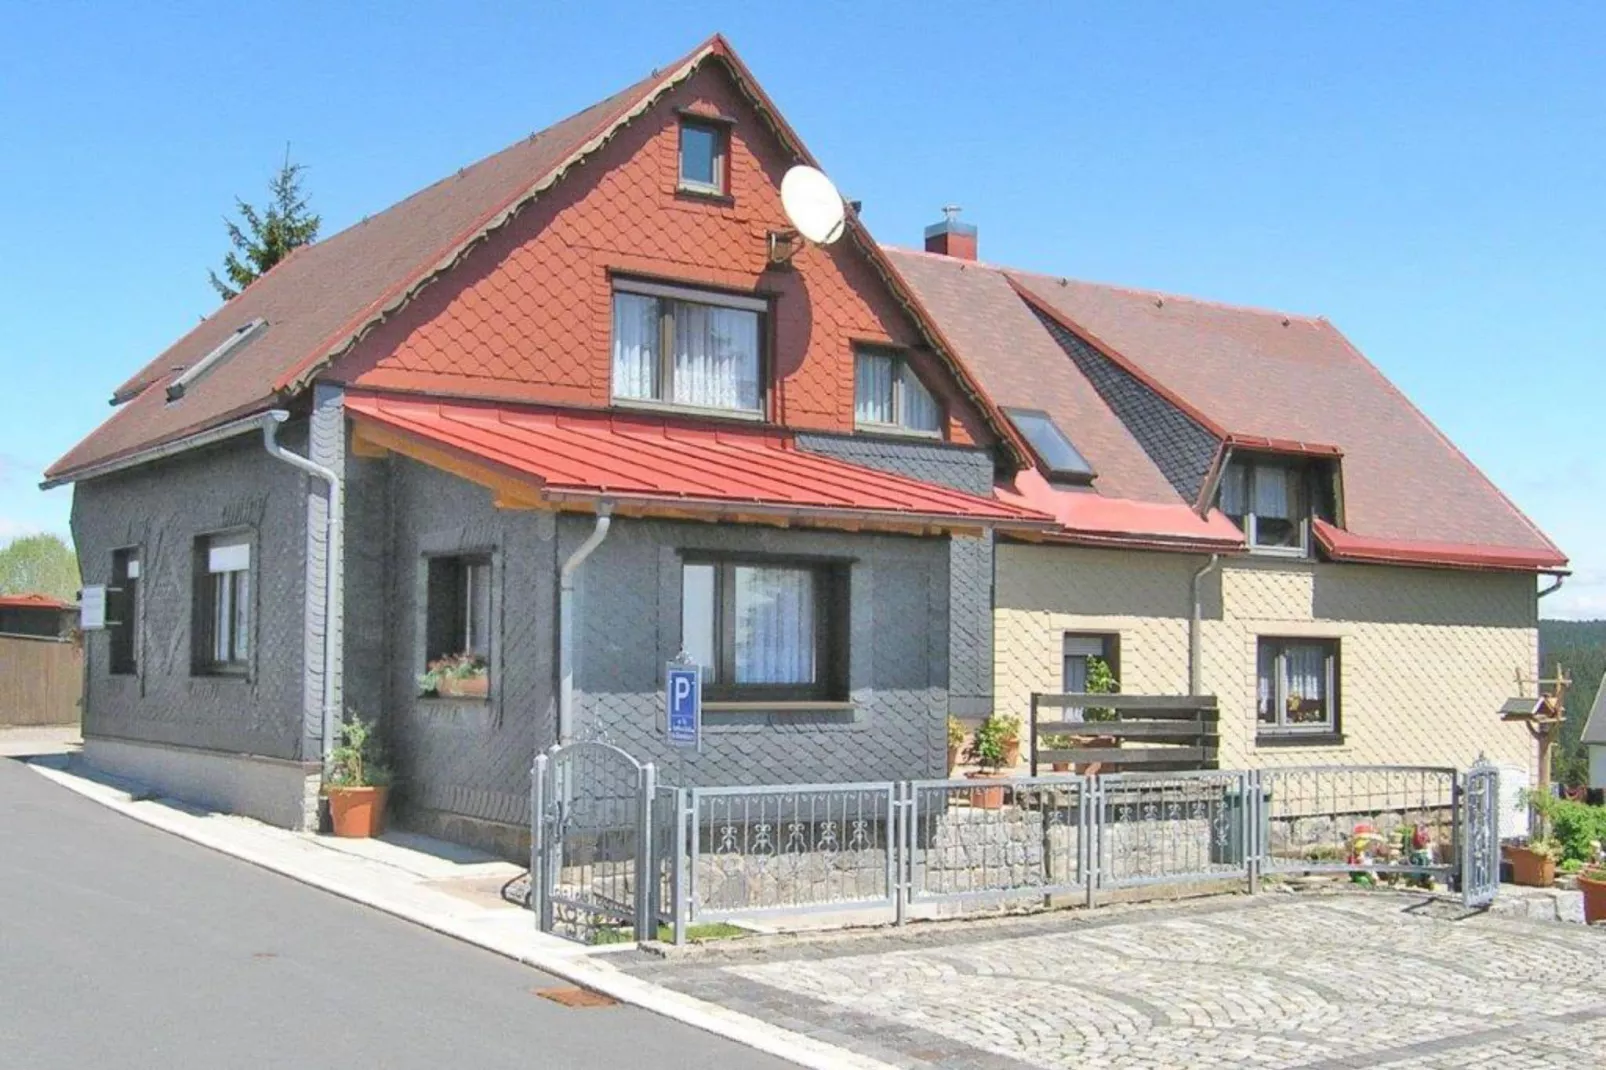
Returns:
(1053, 449)
(231, 344)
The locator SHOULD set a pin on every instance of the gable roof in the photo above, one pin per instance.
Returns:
(324, 297)
(1594, 732)
(1250, 379)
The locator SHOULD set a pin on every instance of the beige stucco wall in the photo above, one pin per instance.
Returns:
(1426, 657)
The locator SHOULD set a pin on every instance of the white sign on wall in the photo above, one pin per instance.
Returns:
(92, 607)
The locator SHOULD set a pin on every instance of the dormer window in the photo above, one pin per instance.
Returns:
(888, 396)
(703, 157)
(1272, 499)
(1061, 461)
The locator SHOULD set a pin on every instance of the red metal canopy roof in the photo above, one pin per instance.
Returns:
(1092, 519)
(647, 461)
(1343, 545)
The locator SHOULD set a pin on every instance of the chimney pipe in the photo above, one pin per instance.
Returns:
(951, 237)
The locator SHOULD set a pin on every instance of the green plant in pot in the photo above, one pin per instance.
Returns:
(1059, 741)
(356, 784)
(1100, 681)
(990, 748)
(956, 742)
(464, 675)
(1592, 882)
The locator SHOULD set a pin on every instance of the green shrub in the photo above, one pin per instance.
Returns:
(1578, 829)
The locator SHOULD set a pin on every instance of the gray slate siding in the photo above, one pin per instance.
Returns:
(458, 756)
(965, 468)
(629, 612)
(162, 508)
(1178, 445)
(970, 560)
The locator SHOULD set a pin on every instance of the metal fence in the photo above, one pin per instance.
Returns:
(893, 850)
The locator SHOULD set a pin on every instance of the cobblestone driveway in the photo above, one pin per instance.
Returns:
(1309, 981)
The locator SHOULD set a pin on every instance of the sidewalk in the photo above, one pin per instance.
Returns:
(443, 887)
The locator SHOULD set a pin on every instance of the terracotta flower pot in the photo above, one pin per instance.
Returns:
(464, 686)
(1594, 889)
(1101, 743)
(1062, 767)
(989, 798)
(1011, 753)
(357, 813)
(1530, 868)
(953, 758)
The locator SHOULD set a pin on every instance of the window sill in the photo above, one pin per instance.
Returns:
(220, 672)
(1291, 553)
(667, 408)
(792, 706)
(1299, 739)
(456, 700)
(705, 195)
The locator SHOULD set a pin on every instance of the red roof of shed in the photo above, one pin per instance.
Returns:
(33, 601)
(569, 455)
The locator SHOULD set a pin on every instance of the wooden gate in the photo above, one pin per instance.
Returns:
(41, 680)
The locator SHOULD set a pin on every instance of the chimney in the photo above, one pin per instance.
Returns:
(951, 237)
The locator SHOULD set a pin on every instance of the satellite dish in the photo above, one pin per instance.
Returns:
(812, 203)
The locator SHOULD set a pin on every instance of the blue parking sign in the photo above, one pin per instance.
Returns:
(683, 704)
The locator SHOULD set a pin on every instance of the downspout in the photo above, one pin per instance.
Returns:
(1194, 624)
(566, 620)
(1553, 588)
(333, 611)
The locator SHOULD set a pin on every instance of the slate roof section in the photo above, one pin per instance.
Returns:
(572, 456)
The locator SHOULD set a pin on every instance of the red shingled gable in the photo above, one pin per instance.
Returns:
(570, 456)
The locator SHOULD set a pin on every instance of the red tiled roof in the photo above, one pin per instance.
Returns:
(33, 601)
(573, 455)
(1257, 379)
(322, 295)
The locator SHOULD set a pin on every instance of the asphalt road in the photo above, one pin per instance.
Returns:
(122, 946)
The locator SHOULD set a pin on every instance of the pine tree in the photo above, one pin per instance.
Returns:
(267, 236)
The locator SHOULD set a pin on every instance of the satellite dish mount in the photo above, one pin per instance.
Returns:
(813, 207)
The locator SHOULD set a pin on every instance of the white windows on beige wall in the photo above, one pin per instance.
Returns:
(685, 348)
(1297, 689)
(889, 396)
(224, 604)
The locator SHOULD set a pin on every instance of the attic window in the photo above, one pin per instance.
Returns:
(1059, 458)
(703, 155)
(230, 345)
(1273, 499)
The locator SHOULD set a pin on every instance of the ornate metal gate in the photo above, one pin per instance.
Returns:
(1480, 835)
(590, 841)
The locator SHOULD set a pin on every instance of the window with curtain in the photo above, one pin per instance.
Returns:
(1268, 500)
(122, 613)
(1297, 684)
(888, 395)
(765, 629)
(686, 348)
(224, 604)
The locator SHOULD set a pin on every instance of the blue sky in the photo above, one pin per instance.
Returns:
(1428, 176)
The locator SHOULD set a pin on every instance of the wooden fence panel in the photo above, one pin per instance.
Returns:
(41, 680)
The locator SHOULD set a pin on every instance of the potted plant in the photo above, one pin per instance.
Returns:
(1059, 741)
(1100, 681)
(1009, 732)
(356, 785)
(1592, 882)
(956, 742)
(1533, 864)
(464, 675)
(989, 749)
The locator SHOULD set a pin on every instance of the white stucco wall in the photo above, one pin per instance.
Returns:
(1426, 656)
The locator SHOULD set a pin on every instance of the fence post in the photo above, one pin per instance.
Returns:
(1458, 877)
(900, 846)
(1254, 801)
(538, 788)
(678, 890)
(1092, 830)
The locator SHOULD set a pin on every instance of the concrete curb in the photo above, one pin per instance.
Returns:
(520, 945)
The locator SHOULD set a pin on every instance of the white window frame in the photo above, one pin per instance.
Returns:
(228, 593)
(1251, 522)
(720, 187)
(901, 367)
(666, 358)
(1281, 726)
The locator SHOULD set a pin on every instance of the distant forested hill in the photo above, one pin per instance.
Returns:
(1580, 647)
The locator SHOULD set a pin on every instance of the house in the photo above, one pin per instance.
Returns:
(1593, 738)
(1247, 509)
(564, 416)
(37, 615)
